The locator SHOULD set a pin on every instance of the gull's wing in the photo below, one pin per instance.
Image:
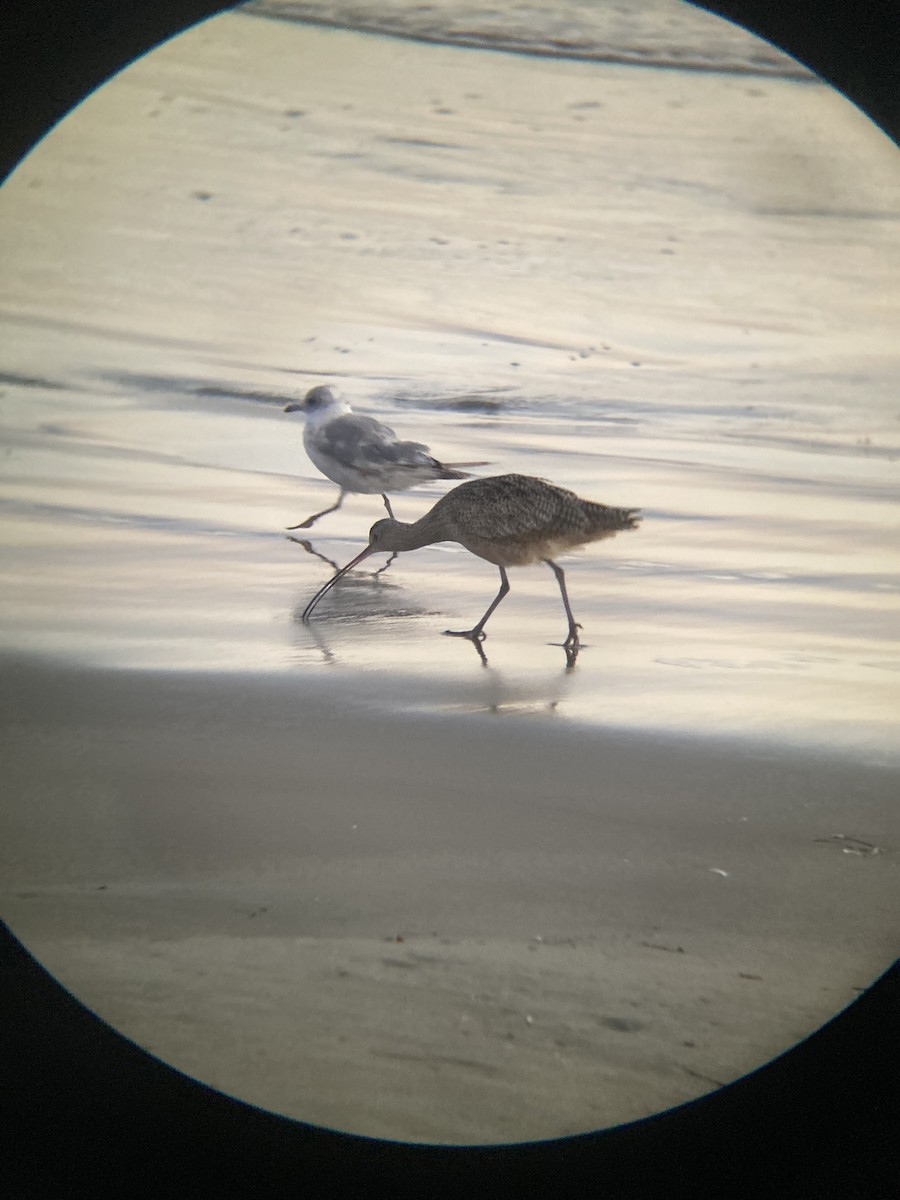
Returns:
(363, 444)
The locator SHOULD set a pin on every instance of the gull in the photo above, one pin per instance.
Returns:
(361, 454)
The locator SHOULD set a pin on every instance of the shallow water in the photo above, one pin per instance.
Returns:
(694, 329)
(643, 32)
(661, 289)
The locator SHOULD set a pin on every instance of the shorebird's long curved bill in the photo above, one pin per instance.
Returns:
(307, 612)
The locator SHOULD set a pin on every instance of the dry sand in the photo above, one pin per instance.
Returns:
(345, 872)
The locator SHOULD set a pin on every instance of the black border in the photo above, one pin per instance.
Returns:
(55, 52)
(852, 44)
(86, 1112)
(83, 1110)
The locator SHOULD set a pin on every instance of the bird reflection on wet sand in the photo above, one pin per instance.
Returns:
(518, 688)
(571, 651)
(310, 549)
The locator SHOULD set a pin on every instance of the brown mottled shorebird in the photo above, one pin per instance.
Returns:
(509, 520)
(361, 455)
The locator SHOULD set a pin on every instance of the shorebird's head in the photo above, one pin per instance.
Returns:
(317, 399)
(384, 535)
(380, 535)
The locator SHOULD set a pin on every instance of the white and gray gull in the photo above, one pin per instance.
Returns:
(361, 454)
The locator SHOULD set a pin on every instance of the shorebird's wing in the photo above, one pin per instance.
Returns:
(510, 507)
(366, 445)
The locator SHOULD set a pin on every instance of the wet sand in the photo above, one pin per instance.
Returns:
(446, 930)
(346, 872)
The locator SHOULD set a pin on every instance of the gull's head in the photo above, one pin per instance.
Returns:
(317, 399)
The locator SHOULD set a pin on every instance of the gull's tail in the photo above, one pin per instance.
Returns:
(452, 471)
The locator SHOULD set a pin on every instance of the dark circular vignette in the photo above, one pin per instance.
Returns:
(87, 1110)
(54, 52)
(853, 46)
(83, 1108)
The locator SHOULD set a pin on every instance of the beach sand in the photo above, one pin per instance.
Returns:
(346, 872)
(440, 930)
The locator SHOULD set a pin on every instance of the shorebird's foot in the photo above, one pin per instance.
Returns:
(475, 636)
(307, 524)
(571, 646)
(571, 649)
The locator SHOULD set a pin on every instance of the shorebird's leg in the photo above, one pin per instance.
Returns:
(387, 505)
(572, 639)
(312, 520)
(476, 634)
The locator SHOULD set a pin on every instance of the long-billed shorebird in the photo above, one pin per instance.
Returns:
(509, 520)
(361, 455)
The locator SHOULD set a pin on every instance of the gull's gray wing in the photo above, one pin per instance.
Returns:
(364, 444)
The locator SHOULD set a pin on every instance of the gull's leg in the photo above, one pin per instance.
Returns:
(572, 639)
(387, 505)
(312, 520)
(477, 634)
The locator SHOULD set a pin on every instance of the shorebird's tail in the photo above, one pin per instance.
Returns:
(613, 520)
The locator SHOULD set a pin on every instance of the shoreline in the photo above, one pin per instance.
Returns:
(609, 58)
(519, 706)
(708, 44)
